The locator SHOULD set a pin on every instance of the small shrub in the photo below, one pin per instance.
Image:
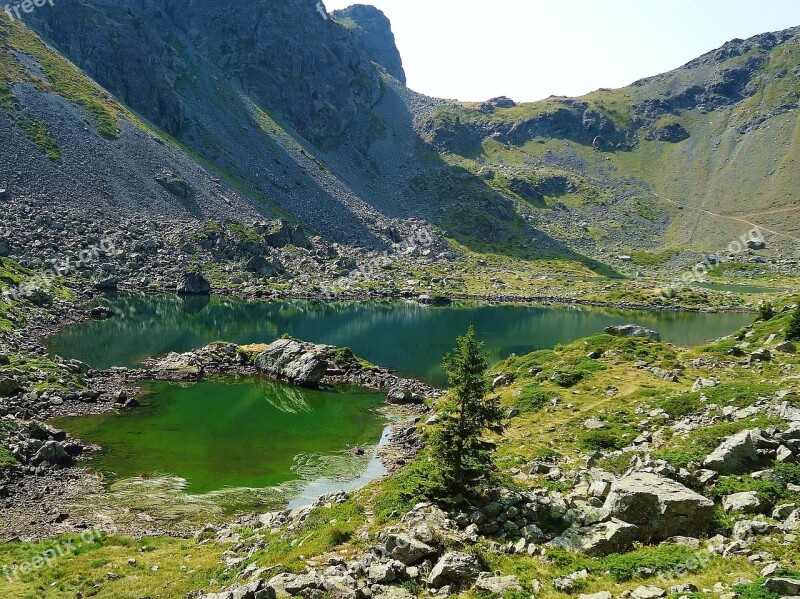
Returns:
(604, 439)
(793, 330)
(754, 591)
(531, 400)
(766, 311)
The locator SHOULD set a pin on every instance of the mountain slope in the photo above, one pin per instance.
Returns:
(691, 159)
(308, 112)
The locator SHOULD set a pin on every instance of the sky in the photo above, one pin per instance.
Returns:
(473, 50)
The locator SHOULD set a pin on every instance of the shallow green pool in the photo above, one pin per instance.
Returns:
(403, 335)
(247, 433)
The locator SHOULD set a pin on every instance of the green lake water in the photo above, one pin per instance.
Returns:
(257, 434)
(406, 336)
(237, 434)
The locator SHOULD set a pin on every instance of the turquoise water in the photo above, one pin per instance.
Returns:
(406, 336)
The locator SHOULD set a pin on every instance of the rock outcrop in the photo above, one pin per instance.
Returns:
(661, 508)
(303, 364)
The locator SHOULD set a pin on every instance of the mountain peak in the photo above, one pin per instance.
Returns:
(372, 31)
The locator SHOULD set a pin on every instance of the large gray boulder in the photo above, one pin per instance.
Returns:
(785, 587)
(660, 507)
(292, 585)
(53, 453)
(407, 550)
(290, 360)
(454, 568)
(632, 330)
(194, 283)
(490, 584)
(747, 502)
(740, 453)
(603, 538)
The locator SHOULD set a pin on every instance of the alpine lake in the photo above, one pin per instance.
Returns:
(232, 444)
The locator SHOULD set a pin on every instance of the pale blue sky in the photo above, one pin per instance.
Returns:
(530, 49)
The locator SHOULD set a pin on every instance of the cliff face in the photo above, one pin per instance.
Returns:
(373, 33)
(289, 56)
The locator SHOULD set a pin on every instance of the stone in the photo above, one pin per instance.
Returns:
(9, 386)
(292, 585)
(194, 283)
(499, 585)
(633, 330)
(784, 455)
(54, 454)
(738, 454)
(101, 312)
(659, 506)
(282, 233)
(299, 363)
(600, 595)
(786, 347)
(784, 587)
(603, 538)
(782, 511)
(407, 550)
(384, 573)
(454, 568)
(746, 502)
(648, 592)
(761, 355)
(174, 184)
(401, 396)
(568, 584)
(389, 592)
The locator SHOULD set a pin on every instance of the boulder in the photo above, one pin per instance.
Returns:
(454, 568)
(9, 386)
(294, 585)
(407, 550)
(299, 363)
(660, 507)
(570, 583)
(101, 312)
(5, 248)
(648, 592)
(281, 233)
(497, 585)
(194, 283)
(53, 453)
(632, 330)
(389, 592)
(401, 396)
(747, 503)
(600, 595)
(785, 587)
(600, 539)
(786, 347)
(174, 184)
(738, 454)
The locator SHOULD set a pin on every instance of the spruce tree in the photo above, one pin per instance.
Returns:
(467, 415)
(793, 332)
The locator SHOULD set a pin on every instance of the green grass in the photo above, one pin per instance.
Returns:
(36, 131)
